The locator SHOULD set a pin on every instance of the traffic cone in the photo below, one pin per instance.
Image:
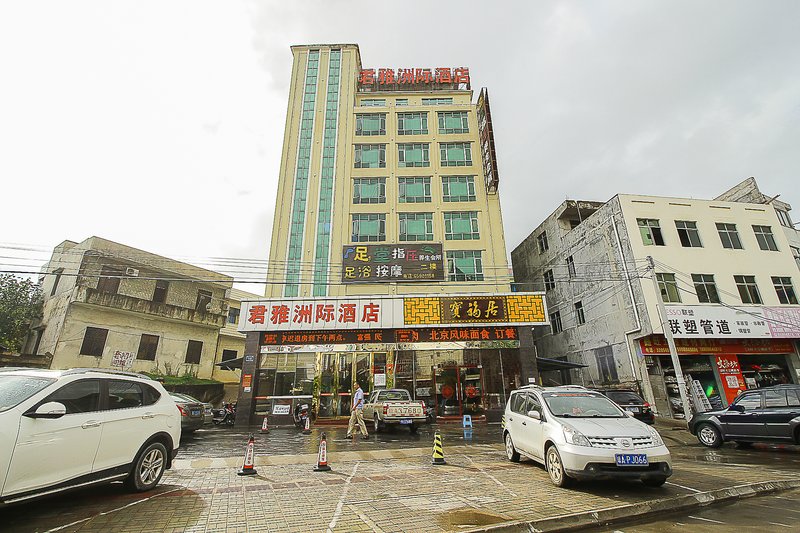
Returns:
(265, 425)
(249, 457)
(438, 452)
(307, 428)
(322, 457)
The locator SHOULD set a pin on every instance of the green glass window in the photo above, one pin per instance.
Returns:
(370, 156)
(455, 154)
(412, 123)
(464, 265)
(373, 102)
(401, 102)
(458, 188)
(369, 227)
(453, 122)
(371, 124)
(461, 226)
(416, 226)
(414, 190)
(437, 101)
(413, 155)
(369, 191)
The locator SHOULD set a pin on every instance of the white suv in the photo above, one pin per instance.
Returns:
(580, 434)
(65, 429)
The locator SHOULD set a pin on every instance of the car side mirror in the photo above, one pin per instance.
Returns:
(736, 407)
(536, 415)
(48, 410)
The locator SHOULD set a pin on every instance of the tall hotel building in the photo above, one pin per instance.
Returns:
(387, 199)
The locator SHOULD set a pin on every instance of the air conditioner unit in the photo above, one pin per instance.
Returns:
(133, 272)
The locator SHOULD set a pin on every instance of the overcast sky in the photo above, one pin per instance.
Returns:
(159, 124)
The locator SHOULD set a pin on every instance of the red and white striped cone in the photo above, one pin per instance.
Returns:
(322, 457)
(249, 458)
(265, 425)
(307, 428)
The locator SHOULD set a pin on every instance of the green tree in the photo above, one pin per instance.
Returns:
(20, 304)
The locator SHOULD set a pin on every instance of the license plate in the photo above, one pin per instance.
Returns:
(631, 459)
(195, 412)
(632, 409)
(405, 421)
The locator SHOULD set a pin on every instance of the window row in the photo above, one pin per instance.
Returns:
(411, 155)
(94, 342)
(706, 289)
(381, 102)
(414, 190)
(111, 276)
(415, 123)
(689, 234)
(458, 226)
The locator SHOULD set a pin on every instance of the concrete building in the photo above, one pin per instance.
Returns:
(230, 345)
(388, 188)
(109, 305)
(724, 269)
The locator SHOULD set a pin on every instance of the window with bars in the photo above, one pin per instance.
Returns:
(464, 265)
(555, 322)
(580, 316)
(370, 124)
(571, 266)
(94, 341)
(549, 280)
(461, 226)
(413, 155)
(606, 366)
(541, 242)
(455, 154)
(414, 190)
(194, 350)
(401, 102)
(148, 345)
(729, 236)
(370, 156)
(412, 123)
(748, 290)
(688, 234)
(458, 188)
(416, 226)
(785, 290)
(668, 287)
(369, 190)
(765, 238)
(706, 288)
(369, 227)
(650, 231)
(453, 122)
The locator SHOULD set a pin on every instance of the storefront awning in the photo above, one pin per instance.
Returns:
(231, 364)
(546, 364)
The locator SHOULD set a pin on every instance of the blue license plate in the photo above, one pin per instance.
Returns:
(195, 412)
(405, 420)
(631, 459)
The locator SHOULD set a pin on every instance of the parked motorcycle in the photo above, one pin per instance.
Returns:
(301, 412)
(225, 415)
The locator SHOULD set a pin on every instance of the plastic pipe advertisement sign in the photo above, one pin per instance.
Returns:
(719, 322)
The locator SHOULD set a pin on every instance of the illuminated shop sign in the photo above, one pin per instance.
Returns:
(391, 336)
(451, 77)
(390, 264)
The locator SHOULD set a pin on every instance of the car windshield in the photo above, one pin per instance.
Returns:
(581, 405)
(625, 397)
(16, 389)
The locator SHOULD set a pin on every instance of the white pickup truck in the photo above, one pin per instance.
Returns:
(393, 406)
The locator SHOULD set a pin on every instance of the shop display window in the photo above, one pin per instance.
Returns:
(764, 370)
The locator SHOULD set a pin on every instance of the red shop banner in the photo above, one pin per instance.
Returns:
(731, 375)
(657, 345)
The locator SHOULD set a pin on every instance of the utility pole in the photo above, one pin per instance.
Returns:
(673, 352)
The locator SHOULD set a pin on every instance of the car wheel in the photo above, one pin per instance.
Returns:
(556, 468)
(709, 436)
(654, 482)
(148, 468)
(511, 452)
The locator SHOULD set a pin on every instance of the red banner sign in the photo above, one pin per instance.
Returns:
(657, 345)
(731, 375)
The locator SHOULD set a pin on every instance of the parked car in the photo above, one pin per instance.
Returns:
(581, 434)
(394, 407)
(771, 414)
(65, 429)
(192, 413)
(633, 403)
(208, 409)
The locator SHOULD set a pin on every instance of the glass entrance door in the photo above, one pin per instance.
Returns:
(459, 391)
(337, 374)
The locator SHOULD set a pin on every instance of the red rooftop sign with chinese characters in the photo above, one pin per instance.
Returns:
(388, 78)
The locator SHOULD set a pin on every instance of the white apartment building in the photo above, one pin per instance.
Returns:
(726, 272)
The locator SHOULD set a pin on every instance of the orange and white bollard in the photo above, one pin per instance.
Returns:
(322, 457)
(265, 425)
(307, 428)
(248, 468)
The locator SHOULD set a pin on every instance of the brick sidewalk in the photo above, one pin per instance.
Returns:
(389, 490)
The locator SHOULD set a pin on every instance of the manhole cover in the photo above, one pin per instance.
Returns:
(466, 518)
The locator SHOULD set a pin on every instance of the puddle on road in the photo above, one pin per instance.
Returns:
(468, 518)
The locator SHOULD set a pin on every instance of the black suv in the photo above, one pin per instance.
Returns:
(631, 402)
(771, 414)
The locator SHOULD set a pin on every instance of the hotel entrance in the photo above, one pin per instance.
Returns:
(337, 374)
(459, 391)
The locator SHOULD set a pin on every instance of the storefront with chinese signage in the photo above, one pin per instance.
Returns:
(457, 353)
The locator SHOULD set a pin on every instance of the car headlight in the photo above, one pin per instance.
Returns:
(573, 436)
(657, 440)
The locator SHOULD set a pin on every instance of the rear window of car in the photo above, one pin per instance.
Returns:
(775, 398)
(625, 397)
(393, 395)
(124, 394)
(16, 389)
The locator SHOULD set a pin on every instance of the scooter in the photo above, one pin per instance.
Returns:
(301, 412)
(226, 415)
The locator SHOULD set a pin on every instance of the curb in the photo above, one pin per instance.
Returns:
(640, 510)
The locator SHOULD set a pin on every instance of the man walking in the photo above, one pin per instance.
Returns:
(357, 414)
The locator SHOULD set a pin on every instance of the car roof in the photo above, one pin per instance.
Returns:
(56, 373)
